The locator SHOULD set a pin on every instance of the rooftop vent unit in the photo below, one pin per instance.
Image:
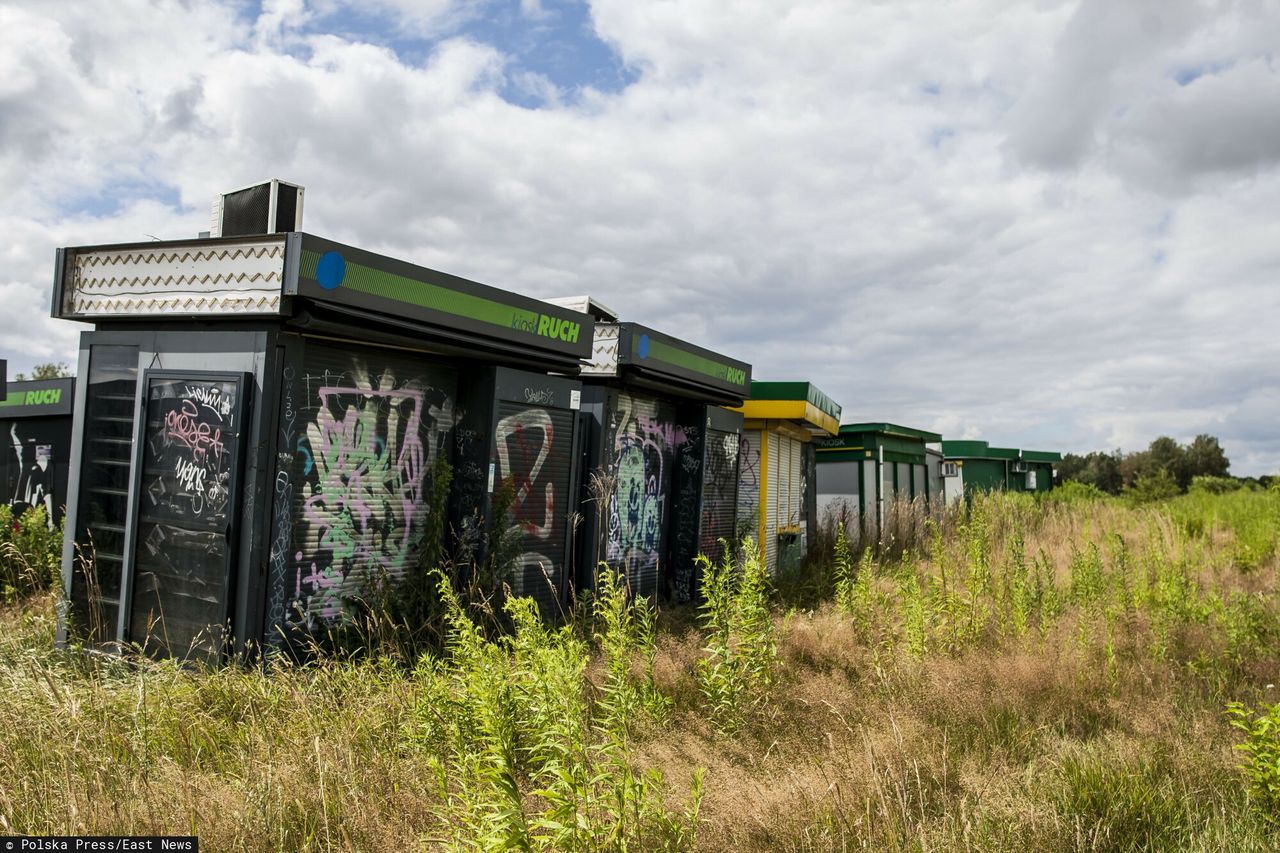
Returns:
(268, 208)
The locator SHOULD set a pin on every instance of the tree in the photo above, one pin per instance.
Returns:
(45, 371)
(1098, 469)
(1168, 456)
(1206, 458)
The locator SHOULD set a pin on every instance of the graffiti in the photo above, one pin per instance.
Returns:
(186, 426)
(719, 492)
(365, 465)
(644, 445)
(689, 456)
(539, 396)
(524, 441)
(31, 483)
(211, 398)
(369, 484)
(182, 560)
(278, 556)
(749, 472)
(749, 479)
(188, 464)
(191, 477)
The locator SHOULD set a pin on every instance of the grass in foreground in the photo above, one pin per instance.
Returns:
(1049, 675)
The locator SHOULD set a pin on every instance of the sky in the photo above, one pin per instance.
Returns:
(1050, 225)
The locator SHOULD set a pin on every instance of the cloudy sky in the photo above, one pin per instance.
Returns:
(1047, 224)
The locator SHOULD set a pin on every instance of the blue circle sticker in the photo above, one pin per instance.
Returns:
(643, 346)
(331, 270)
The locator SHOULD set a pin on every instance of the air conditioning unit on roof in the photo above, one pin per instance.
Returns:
(267, 208)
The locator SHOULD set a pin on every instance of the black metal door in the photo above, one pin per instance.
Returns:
(189, 471)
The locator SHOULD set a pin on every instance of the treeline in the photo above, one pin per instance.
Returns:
(1164, 469)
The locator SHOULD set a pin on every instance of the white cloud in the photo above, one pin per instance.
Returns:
(1048, 224)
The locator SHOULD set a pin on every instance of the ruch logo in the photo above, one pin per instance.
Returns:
(562, 330)
(736, 376)
(44, 397)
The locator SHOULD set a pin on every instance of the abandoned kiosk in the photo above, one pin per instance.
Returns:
(668, 452)
(777, 484)
(871, 469)
(259, 422)
(35, 429)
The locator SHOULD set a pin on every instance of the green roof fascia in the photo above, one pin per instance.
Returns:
(661, 354)
(890, 429)
(334, 273)
(1041, 456)
(1004, 453)
(842, 454)
(37, 398)
(806, 391)
(964, 449)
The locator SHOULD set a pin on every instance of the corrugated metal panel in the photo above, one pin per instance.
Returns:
(533, 447)
(644, 438)
(917, 481)
(775, 500)
(604, 352)
(719, 493)
(902, 489)
(222, 278)
(370, 426)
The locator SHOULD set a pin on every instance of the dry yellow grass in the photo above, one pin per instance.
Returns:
(1097, 729)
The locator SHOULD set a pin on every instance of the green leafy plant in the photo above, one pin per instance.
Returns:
(1261, 748)
(741, 652)
(30, 553)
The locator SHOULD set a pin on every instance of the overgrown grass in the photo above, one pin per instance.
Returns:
(1037, 674)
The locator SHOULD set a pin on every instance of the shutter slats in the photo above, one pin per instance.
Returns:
(533, 447)
(643, 443)
(370, 426)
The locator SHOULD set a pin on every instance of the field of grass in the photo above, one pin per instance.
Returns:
(1053, 674)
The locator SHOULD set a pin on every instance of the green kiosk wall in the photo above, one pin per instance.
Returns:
(869, 466)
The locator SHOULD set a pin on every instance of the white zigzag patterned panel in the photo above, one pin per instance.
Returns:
(231, 278)
(604, 352)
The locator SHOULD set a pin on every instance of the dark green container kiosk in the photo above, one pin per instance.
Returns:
(656, 432)
(35, 430)
(258, 424)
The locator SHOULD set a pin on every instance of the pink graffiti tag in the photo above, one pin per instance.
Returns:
(186, 427)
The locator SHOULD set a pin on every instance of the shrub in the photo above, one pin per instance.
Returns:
(30, 553)
(742, 650)
(1261, 747)
(1149, 488)
(1215, 485)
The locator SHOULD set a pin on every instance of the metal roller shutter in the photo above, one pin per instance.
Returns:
(368, 426)
(775, 499)
(749, 470)
(644, 439)
(686, 513)
(719, 493)
(533, 447)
